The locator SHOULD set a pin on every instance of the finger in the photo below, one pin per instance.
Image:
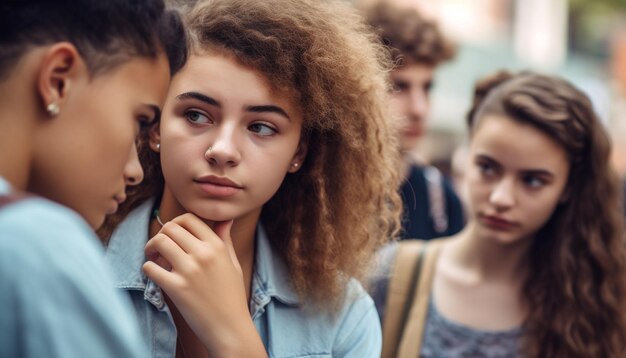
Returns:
(162, 245)
(162, 277)
(161, 261)
(196, 227)
(181, 236)
(222, 229)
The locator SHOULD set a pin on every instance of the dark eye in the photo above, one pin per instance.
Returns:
(399, 86)
(486, 169)
(262, 129)
(533, 181)
(428, 87)
(197, 117)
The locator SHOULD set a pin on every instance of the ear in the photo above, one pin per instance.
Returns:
(61, 65)
(298, 158)
(154, 133)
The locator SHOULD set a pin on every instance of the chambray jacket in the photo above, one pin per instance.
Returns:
(56, 291)
(287, 327)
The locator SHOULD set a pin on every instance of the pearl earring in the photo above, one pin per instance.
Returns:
(295, 165)
(53, 109)
(158, 146)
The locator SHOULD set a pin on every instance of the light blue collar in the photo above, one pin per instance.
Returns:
(125, 248)
(271, 276)
(125, 253)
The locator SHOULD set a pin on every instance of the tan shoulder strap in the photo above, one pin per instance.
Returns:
(403, 279)
(411, 341)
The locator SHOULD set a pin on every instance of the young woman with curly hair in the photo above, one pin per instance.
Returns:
(540, 269)
(269, 184)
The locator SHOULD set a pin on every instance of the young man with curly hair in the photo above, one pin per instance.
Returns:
(417, 47)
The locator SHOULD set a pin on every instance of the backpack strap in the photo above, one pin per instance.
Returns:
(411, 340)
(402, 286)
(437, 198)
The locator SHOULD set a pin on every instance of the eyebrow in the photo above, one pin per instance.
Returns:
(200, 97)
(538, 172)
(213, 102)
(268, 108)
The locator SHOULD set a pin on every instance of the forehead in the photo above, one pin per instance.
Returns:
(517, 145)
(223, 78)
(414, 72)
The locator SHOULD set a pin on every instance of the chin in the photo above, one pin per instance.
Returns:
(501, 238)
(215, 215)
(96, 222)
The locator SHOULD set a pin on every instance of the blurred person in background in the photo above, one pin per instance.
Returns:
(431, 207)
(540, 268)
(77, 81)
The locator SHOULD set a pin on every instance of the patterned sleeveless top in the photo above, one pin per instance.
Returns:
(444, 338)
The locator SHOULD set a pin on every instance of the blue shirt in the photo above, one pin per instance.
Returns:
(56, 294)
(287, 327)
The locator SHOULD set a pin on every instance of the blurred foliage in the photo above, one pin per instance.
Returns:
(591, 23)
(598, 5)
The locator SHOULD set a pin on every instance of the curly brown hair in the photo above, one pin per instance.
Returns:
(408, 35)
(576, 289)
(327, 219)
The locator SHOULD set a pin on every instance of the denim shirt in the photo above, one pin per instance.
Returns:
(287, 327)
(56, 291)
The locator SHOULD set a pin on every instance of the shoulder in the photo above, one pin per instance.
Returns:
(56, 285)
(417, 174)
(43, 229)
(359, 332)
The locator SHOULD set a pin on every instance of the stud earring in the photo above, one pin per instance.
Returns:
(158, 146)
(53, 109)
(295, 165)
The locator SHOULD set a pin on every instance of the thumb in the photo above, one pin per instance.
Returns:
(222, 229)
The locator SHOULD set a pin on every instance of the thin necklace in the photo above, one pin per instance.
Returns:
(155, 214)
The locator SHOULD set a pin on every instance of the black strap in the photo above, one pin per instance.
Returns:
(417, 270)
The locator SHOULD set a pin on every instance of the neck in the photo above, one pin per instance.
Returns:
(487, 260)
(242, 232)
(16, 133)
(20, 113)
(405, 164)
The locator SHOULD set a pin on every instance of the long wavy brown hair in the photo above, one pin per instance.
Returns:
(327, 219)
(576, 288)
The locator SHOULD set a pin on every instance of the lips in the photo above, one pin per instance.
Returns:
(120, 199)
(411, 132)
(497, 222)
(218, 186)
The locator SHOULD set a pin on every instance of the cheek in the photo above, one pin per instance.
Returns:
(541, 209)
(396, 105)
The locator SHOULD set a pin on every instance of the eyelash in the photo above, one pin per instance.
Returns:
(190, 113)
(539, 182)
(486, 169)
(531, 181)
(271, 128)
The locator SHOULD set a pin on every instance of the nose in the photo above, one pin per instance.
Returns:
(224, 149)
(418, 103)
(503, 194)
(133, 173)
